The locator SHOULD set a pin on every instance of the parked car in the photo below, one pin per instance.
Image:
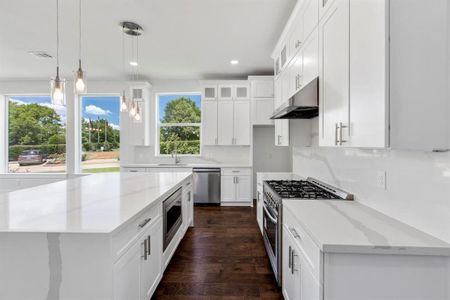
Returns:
(31, 157)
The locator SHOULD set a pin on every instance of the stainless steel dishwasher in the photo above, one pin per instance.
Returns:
(207, 186)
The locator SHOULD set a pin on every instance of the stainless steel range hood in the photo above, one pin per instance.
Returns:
(303, 105)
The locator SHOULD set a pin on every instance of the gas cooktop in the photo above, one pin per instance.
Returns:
(305, 189)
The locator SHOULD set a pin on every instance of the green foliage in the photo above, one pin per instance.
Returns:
(182, 110)
(97, 134)
(186, 139)
(32, 124)
(57, 139)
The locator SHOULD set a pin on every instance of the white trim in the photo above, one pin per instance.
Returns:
(3, 134)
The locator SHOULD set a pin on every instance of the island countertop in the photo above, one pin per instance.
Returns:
(97, 203)
(350, 227)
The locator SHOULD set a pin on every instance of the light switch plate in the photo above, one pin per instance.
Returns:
(381, 180)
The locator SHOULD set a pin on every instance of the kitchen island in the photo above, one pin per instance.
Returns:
(92, 237)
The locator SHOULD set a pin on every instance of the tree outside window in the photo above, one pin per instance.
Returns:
(36, 135)
(179, 124)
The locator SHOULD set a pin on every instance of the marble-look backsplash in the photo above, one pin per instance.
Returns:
(417, 183)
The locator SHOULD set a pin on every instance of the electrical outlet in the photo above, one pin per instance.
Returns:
(381, 180)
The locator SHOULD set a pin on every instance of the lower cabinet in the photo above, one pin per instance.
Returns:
(188, 206)
(138, 271)
(236, 187)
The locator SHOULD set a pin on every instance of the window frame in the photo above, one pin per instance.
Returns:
(5, 151)
(79, 123)
(158, 124)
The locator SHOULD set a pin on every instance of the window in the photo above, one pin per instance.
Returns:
(179, 123)
(100, 134)
(36, 135)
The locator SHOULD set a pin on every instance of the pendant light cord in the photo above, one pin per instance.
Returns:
(57, 37)
(79, 32)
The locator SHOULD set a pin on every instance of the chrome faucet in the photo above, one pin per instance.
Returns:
(175, 154)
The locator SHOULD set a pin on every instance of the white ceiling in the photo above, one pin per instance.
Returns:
(183, 39)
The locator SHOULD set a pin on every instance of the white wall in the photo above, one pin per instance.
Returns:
(266, 156)
(418, 183)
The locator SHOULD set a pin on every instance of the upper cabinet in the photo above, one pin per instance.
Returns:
(380, 85)
(334, 75)
(262, 99)
(226, 117)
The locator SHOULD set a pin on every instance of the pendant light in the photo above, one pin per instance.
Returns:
(123, 98)
(137, 116)
(80, 77)
(57, 85)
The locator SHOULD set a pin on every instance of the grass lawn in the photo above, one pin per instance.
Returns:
(102, 170)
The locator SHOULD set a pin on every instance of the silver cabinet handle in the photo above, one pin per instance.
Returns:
(279, 139)
(290, 258)
(292, 261)
(295, 233)
(145, 250)
(149, 241)
(336, 129)
(341, 126)
(144, 222)
(237, 180)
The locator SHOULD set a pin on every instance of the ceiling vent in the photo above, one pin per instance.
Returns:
(40, 54)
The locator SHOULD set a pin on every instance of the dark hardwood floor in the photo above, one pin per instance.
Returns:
(222, 257)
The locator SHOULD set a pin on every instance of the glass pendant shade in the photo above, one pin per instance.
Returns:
(58, 91)
(133, 109)
(123, 103)
(80, 81)
(137, 117)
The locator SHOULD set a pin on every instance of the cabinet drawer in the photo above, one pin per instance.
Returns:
(310, 250)
(236, 171)
(126, 236)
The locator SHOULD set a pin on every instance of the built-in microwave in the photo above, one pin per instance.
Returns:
(172, 216)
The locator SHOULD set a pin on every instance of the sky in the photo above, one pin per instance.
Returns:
(103, 107)
(93, 107)
(164, 99)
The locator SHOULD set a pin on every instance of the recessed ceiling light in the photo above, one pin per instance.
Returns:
(234, 62)
(133, 63)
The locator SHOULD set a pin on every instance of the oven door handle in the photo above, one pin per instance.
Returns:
(270, 216)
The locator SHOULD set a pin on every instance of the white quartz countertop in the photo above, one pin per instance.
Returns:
(189, 165)
(97, 203)
(350, 227)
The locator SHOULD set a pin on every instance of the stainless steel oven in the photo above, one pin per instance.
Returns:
(172, 216)
(272, 232)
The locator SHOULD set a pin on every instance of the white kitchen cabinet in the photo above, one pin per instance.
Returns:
(236, 189)
(324, 6)
(295, 37)
(226, 91)
(209, 92)
(263, 111)
(236, 186)
(138, 271)
(334, 76)
(228, 188)
(291, 287)
(241, 122)
(259, 207)
(261, 87)
(310, 16)
(225, 124)
(262, 99)
(310, 54)
(234, 122)
(281, 126)
(209, 123)
(296, 73)
(188, 205)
